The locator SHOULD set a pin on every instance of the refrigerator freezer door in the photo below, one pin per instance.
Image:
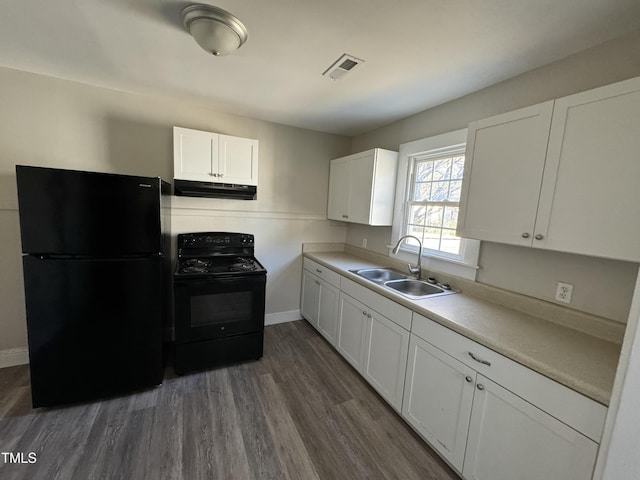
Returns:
(94, 327)
(66, 212)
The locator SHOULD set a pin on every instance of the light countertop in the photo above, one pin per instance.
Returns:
(582, 362)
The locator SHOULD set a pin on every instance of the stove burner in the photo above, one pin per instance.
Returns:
(196, 262)
(194, 269)
(242, 264)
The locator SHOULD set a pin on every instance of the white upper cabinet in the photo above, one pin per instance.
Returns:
(362, 187)
(581, 161)
(212, 157)
(503, 174)
(590, 199)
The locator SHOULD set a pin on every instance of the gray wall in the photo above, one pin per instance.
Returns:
(602, 287)
(51, 122)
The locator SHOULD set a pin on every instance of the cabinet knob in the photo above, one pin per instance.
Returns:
(345, 216)
(368, 315)
(539, 236)
(480, 386)
(221, 175)
(468, 379)
(525, 235)
(213, 174)
(318, 270)
(364, 313)
(317, 282)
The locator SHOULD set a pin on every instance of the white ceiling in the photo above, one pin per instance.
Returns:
(418, 53)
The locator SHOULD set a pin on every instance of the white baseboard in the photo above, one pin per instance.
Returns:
(282, 317)
(13, 357)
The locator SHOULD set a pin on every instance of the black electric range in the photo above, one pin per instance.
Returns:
(219, 295)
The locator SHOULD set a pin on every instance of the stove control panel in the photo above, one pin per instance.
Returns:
(214, 239)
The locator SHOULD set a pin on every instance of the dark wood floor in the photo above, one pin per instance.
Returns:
(299, 413)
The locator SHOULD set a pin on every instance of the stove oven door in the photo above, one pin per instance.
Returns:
(218, 307)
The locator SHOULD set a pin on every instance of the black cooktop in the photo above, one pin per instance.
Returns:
(208, 254)
(218, 265)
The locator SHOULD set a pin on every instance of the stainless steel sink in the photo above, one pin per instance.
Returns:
(379, 275)
(401, 283)
(416, 288)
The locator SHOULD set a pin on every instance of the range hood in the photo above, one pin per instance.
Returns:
(190, 188)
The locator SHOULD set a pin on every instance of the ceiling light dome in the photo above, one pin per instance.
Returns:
(215, 29)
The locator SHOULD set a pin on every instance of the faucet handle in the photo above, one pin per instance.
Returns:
(413, 270)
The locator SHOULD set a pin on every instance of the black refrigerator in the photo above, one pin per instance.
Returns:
(97, 281)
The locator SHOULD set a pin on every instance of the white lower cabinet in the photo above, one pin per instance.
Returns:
(511, 439)
(352, 329)
(375, 346)
(319, 305)
(489, 417)
(437, 400)
(385, 358)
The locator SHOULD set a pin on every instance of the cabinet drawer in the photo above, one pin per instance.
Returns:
(321, 271)
(576, 410)
(388, 308)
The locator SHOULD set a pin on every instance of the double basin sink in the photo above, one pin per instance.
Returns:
(401, 283)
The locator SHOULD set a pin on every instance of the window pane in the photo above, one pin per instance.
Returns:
(414, 230)
(441, 169)
(457, 168)
(450, 243)
(450, 219)
(434, 216)
(439, 192)
(424, 171)
(454, 191)
(417, 214)
(422, 191)
(432, 238)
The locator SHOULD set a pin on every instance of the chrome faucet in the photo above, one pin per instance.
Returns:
(417, 270)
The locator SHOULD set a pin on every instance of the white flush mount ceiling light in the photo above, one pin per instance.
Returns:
(215, 29)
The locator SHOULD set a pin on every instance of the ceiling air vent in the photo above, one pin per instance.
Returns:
(342, 66)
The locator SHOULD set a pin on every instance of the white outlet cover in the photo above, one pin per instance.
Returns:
(564, 292)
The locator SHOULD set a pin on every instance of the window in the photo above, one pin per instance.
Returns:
(434, 195)
(430, 175)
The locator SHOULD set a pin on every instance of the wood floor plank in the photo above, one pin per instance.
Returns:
(301, 412)
(289, 445)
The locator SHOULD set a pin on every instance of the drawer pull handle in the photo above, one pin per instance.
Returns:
(480, 386)
(480, 360)
(318, 270)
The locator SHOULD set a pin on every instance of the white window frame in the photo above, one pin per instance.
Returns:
(466, 263)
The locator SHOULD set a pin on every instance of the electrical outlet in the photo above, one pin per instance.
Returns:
(564, 291)
(364, 243)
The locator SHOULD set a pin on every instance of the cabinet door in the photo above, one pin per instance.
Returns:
(438, 394)
(237, 160)
(590, 201)
(361, 169)
(352, 328)
(328, 311)
(193, 154)
(310, 297)
(339, 190)
(503, 174)
(511, 439)
(385, 359)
